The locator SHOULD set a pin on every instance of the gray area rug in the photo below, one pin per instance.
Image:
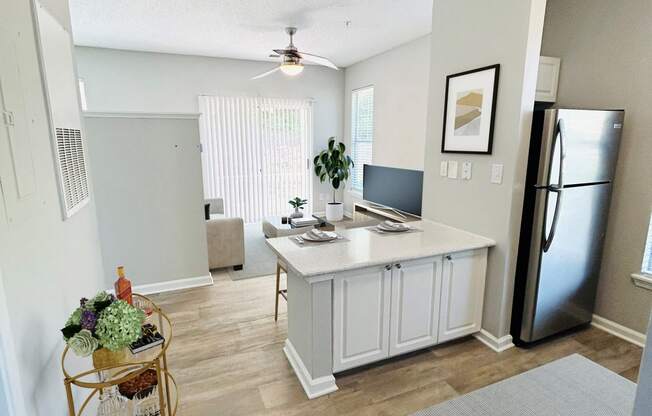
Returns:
(259, 259)
(571, 386)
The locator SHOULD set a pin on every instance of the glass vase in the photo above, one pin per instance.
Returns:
(112, 403)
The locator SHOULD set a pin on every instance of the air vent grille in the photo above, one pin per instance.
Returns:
(74, 180)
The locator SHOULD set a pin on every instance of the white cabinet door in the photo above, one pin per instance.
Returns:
(462, 294)
(547, 79)
(416, 289)
(361, 304)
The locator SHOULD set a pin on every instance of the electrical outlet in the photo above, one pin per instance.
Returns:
(466, 170)
(452, 169)
(496, 173)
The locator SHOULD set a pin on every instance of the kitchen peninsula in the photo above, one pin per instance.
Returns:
(375, 296)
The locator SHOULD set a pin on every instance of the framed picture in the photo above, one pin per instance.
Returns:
(469, 111)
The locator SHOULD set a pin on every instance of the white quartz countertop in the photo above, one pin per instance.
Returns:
(367, 248)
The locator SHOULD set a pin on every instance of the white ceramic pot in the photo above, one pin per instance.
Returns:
(334, 211)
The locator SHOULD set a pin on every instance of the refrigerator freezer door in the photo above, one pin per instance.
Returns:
(589, 139)
(561, 282)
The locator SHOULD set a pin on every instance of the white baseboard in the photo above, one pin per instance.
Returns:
(171, 285)
(313, 387)
(496, 344)
(619, 330)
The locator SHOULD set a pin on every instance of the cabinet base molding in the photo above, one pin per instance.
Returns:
(314, 387)
(496, 344)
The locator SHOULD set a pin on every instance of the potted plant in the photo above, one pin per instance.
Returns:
(333, 164)
(297, 203)
(103, 327)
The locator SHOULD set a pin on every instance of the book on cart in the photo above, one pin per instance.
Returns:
(150, 339)
(303, 222)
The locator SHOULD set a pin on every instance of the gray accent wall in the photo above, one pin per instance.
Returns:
(150, 205)
(606, 61)
(127, 81)
(468, 34)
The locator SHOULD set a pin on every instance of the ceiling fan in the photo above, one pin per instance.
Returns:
(292, 57)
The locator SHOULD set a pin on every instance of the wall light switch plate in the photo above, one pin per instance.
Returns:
(443, 168)
(452, 169)
(466, 170)
(497, 173)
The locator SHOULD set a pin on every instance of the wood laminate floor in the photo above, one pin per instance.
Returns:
(227, 359)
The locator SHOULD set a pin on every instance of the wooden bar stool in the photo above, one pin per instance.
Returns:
(279, 291)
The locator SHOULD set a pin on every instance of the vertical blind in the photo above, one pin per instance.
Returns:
(255, 153)
(362, 132)
(647, 256)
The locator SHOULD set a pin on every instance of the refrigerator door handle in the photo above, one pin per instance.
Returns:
(562, 151)
(558, 189)
(559, 137)
(547, 241)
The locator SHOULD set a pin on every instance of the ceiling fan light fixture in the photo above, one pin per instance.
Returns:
(291, 68)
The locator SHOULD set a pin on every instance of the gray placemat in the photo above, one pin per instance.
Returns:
(375, 230)
(571, 386)
(307, 243)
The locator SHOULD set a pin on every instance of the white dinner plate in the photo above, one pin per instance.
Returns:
(312, 237)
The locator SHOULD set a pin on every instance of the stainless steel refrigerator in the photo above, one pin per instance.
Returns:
(571, 167)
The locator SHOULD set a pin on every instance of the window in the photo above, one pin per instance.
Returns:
(362, 132)
(82, 94)
(646, 268)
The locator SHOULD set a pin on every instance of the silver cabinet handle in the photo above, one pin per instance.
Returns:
(397, 265)
(388, 267)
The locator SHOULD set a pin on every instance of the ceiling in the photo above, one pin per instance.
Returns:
(249, 29)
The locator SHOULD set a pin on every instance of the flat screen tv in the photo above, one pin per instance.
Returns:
(400, 189)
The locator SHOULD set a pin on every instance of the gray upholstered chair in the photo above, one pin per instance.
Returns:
(225, 238)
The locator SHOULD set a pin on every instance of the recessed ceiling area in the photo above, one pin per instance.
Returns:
(250, 29)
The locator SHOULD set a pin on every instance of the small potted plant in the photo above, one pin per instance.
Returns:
(103, 327)
(297, 203)
(333, 164)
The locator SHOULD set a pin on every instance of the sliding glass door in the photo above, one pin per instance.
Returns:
(256, 153)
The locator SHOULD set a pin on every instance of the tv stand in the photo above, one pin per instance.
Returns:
(379, 212)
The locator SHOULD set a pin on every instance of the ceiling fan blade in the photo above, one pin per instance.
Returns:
(273, 55)
(289, 52)
(264, 74)
(317, 59)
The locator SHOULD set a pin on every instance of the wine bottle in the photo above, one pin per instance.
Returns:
(123, 286)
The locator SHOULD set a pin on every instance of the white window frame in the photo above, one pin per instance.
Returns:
(352, 189)
(644, 278)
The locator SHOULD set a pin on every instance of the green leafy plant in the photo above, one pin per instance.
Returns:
(102, 321)
(120, 324)
(333, 164)
(297, 203)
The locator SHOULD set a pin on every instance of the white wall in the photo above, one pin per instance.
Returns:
(150, 202)
(608, 65)
(468, 34)
(47, 264)
(120, 81)
(400, 80)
